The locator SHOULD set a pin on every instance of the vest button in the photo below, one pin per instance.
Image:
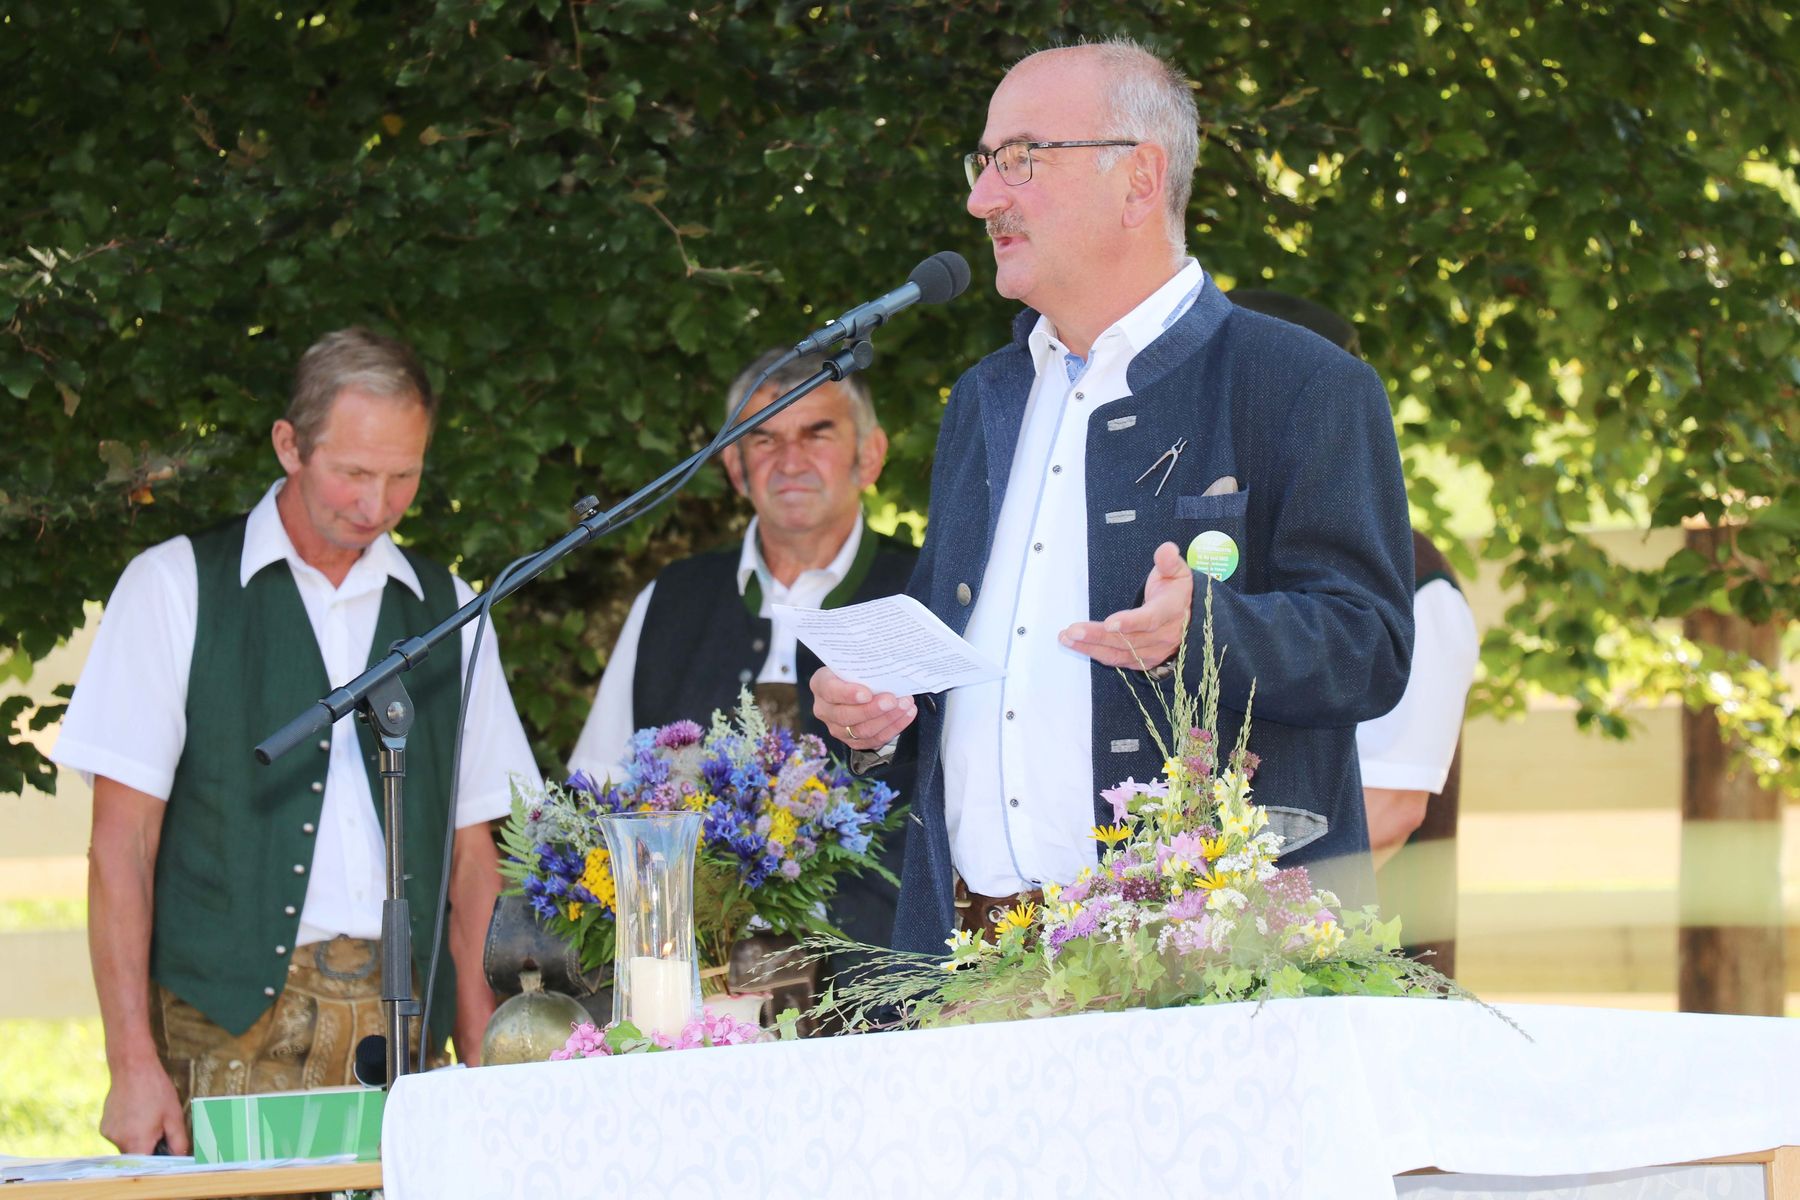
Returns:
(268, 991)
(317, 787)
(963, 594)
(746, 675)
(307, 828)
(288, 911)
(759, 645)
(324, 743)
(280, 950)
(299, 868)
(235, 1065)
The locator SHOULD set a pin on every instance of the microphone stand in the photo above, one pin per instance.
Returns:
(380, 696)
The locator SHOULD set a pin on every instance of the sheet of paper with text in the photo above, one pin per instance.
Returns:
(893, 644)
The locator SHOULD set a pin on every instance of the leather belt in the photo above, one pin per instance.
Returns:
(980, 914)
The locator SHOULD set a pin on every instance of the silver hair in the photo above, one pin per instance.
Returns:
(352, 358)
(1149, 100)
(862, 407)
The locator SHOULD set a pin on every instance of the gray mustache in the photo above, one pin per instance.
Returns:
(1007, 224)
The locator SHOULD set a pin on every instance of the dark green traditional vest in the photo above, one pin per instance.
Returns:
(237, 837)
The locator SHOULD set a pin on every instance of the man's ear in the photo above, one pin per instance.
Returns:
(733, 458)
(286, 440)
(871, 456)
(1146, 170)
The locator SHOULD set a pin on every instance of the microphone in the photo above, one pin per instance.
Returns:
(369, 1066)
(943, 276)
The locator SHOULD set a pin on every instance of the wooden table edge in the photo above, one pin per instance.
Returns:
(204, 1185)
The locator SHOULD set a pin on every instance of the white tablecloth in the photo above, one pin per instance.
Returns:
(1302, 1098)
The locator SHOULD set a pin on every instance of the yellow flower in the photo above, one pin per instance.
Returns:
(959, 939)
(1052, 890)
(1174, 768)
(1214, 847)
(783, 828)
(1211, 881)
(1019, 916)
(697, 801)
(812, 784)
(1112, 835)
(573, 908)
(597, 878)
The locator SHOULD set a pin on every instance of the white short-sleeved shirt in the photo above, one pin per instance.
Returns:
(611, 722)
(1409, 748)
(128, 718)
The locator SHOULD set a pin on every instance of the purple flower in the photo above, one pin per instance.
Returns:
(679, 734)
(790, 869)
(1084, 924)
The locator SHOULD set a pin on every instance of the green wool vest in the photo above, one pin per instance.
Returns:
(237, 837)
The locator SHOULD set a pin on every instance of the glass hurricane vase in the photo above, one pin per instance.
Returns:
(656, 973)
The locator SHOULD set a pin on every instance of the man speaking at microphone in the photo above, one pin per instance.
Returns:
(1137, 428)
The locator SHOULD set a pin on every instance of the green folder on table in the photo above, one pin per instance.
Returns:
(322, 1124)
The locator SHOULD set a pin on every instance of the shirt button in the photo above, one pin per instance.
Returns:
(299, 868)
(1021, 631)
(1081, 395)
(784, 670)
(268, 991)
(317, 787)
(1014, 802)
(1038, 546)
(1056, 470)
(1009, 714)
(307, 828)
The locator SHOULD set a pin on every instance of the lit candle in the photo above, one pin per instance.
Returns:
(661, 994)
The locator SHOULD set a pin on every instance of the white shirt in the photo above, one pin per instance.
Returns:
(611, 722)
(1409, 749)
(1018, 752)
(128, 718)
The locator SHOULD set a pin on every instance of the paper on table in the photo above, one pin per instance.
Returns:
(893, 644)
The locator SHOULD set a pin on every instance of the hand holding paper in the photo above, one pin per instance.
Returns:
(893, 644)
(877, 656)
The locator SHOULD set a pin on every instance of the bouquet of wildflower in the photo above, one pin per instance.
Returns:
(1186, 905)
(783, 822)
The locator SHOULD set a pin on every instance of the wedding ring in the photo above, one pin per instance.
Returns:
(849, 734)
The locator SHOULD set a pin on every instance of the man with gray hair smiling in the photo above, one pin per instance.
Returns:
(705, 627)
(234, 910)
(1139, 440)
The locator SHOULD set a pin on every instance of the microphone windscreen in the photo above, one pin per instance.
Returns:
(370, 1063)
(943, 276)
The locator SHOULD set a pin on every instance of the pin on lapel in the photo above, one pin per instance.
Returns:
(1171, 456)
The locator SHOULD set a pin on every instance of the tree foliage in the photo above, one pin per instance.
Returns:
(1562, 229)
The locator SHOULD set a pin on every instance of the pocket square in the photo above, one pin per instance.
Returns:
(1224, 485)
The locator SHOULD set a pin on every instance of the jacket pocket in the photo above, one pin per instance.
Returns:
(1297, 826)
(1213, 534)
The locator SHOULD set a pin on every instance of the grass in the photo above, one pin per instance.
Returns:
(52, 1085)
(52, 1073)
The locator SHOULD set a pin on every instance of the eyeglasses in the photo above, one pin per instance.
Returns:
(1013, 159)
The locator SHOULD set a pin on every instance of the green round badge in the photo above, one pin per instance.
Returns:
(1214, 553)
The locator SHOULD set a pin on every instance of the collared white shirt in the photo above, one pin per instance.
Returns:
(1018, 752)
(1409, 748)
(128, 718)
(611, 722)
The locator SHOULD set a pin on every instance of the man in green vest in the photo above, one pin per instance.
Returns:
(233, 909)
